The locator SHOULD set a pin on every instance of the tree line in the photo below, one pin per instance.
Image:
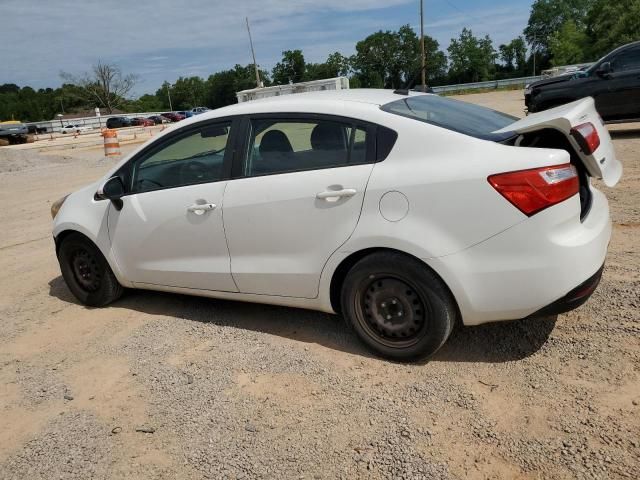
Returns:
(559, 32)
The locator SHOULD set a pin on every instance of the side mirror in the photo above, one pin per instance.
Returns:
(604, 69)
(112, 189)
(213, 131)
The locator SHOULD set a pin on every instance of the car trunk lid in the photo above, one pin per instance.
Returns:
(602, 161)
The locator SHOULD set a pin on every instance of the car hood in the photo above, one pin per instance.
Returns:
(602, 163)
(552, 80)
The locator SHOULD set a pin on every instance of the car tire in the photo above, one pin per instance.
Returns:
(87, 273)
(398, 306)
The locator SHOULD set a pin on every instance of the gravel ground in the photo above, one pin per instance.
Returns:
(168, 386)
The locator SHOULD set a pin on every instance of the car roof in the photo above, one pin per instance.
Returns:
(308, 102)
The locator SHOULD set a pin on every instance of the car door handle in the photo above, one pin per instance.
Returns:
(334, 195)
(200, 208)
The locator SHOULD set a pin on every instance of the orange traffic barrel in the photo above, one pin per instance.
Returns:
(111, 144)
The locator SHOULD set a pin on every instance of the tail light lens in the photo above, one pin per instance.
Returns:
(534, 190)
(587, 137)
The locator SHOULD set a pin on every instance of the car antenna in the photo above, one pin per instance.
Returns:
(410, 83)
(423, 61)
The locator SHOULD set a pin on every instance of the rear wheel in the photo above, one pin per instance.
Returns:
(87, 273)
(398, 307)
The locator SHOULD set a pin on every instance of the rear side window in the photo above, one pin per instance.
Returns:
(455, 115)
(279, 146)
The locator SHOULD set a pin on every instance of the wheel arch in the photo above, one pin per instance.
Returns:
(341, 271)
(59, 238)
(103, 249)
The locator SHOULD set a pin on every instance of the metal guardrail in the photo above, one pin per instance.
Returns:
(486, 85)
(55, 126)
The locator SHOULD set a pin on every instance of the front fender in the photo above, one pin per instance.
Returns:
(82, 213)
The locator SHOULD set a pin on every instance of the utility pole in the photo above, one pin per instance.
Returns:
(422, 54)
(534, 54)
(253, 54)
(169, 95)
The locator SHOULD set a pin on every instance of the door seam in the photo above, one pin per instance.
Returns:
(226, 239)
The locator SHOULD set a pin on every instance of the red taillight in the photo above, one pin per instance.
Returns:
(587, 137)
(534, 190)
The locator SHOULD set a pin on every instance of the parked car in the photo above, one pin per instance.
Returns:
(199, 110)
(158, 119)
(186, 113)
(404, 213)
(118, 122)
(75, 128)
(173, 116)
(142, 122)
(613, 82)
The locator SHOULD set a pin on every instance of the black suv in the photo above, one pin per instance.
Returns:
(117, 122)
(613, 81)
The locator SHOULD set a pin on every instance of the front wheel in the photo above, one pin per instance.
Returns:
(86, 272)
(397, 306)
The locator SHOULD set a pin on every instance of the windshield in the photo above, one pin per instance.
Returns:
(462, 117)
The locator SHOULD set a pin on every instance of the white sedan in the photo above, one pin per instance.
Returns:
(75, 128)
(404, 213)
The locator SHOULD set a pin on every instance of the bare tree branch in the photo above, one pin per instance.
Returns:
(104, 86)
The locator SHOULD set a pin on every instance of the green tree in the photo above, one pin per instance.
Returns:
(336, 65)
(147, 103)
(471, 59)
(290, 69)
(569, 45)
(187, 93)
(612, 23)
(30, 105)
(390, 59)
(514, 55)
(221, 87)
(548, 16)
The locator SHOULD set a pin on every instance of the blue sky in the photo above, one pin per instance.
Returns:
(165, 39)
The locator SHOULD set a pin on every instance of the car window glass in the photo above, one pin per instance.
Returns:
(627, 60)
(196, 157)
(463, 117)
(359, 148)
(277, 146)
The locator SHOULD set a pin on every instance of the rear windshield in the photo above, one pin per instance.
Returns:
(462, 117)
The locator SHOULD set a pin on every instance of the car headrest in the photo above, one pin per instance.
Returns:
(328, 136)
(275, 141)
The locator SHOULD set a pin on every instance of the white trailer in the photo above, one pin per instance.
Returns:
(338, 83)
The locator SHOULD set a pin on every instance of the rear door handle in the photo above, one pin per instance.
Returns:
(335, 195)
(200, 208)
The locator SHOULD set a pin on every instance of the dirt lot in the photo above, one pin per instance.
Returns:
(234, 390)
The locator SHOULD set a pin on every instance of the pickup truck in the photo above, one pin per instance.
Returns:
(12, 133)
(613, 82)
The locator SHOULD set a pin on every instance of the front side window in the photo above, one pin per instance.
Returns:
(627, 60)
(195, 157)
(279, 146)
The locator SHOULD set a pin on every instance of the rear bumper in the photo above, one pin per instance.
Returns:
(572, 300)
(532, 267)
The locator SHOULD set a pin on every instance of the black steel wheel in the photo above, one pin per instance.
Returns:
(398, 306)
(86, 272)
